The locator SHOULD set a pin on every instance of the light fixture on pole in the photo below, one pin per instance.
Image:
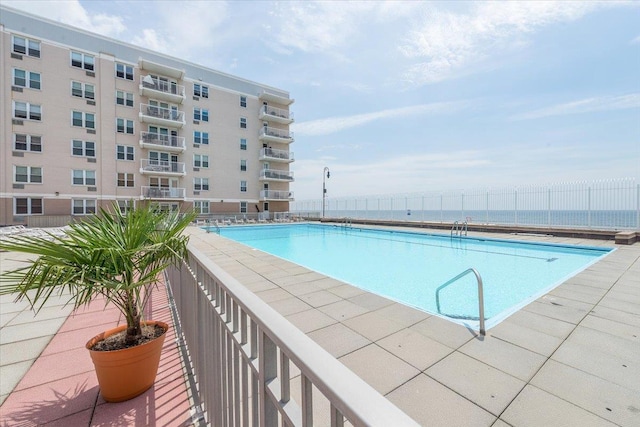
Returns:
(327, 174)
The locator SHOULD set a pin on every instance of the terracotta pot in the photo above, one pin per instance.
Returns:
(127, 373)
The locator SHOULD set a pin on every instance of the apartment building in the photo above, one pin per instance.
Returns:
(88, 121)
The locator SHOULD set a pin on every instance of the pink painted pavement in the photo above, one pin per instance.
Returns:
(61, 389)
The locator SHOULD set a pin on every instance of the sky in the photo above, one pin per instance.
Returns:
(417, 96)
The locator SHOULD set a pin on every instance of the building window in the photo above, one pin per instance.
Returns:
(26, 46)
(27, 206)
(125, 205)
(22, 142)
(200, 137)
(83, 90)
(243, 143)
(124, 152)
(27, 175)
(81, 60)
(81, 119)
(83, 206)
(201, 207)
(83, 148)
(243, 122)
(125, 180)
(243, 165)
(26, 110)
(243, 207)
(200, 184)
(26, 79)
(124, 98)
(243, 101)
(83, 177)
(124, 126)
(243, 186)
(200, 161)
(201, 114)
(124, 71)
(200, 90)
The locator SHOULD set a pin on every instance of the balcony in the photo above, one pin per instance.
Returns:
(161, 116)
(170, 143)
(275, 135)
(164, 70)
(278, 115)
(274, 195)
(160, 89)
(274, 97)
(273, 155)
(276, 175)
(162, 167)
(164, 193)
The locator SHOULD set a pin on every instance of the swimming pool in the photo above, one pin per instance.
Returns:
(409, 267)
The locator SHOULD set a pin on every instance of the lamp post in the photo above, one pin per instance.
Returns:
(327, 174)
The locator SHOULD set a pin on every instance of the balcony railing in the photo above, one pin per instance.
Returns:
(163, 193)
(276, 114)
(162, 89)
(170, 142)
(161, 115)
(275, 155)
(243, 354)
(276, 175)
(276, 195)
(156, 166)
(275, 134)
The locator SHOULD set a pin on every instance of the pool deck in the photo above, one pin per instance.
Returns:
(570, 358)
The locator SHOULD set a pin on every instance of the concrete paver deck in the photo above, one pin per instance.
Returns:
(52, 381)
(570, 358)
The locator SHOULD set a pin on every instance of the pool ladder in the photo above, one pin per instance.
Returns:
(457, 228)
(346, 222)
(216, 225)
(480, 298)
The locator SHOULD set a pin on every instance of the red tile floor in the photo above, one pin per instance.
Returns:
(61, 389)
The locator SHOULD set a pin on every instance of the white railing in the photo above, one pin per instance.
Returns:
(276, 174)
(163, 140)
(149, 82)
(267, 131)
(272, 153)
(165, 166)
(276, 195)
(162, 193)
(244, 354)
(277, 112)
(162, 112)
(607, 204)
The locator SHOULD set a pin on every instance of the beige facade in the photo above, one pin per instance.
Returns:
(88, 120)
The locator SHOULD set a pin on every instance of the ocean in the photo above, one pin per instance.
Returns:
(595, 219)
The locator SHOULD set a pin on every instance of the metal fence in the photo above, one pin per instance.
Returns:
(613, 204)
(254, 368)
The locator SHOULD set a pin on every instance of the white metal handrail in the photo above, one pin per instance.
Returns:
(157, 165)
(277, 112)
(161, 112)
(242, 349)
(279, 133)
(273, 153)
(172, 88)
(162, 140)
(480, 297)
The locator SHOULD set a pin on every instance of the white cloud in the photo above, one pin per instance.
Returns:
(71, 12)
(448, 44)
(184, 31)
(336, 124)
(384, 177)
(636, 40)
(588, 105)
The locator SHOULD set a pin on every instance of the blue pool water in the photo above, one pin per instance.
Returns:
(409, 267)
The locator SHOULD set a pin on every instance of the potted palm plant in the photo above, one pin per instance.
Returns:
(117, 256)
